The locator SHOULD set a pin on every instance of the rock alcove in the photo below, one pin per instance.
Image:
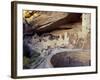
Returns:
(45, 31)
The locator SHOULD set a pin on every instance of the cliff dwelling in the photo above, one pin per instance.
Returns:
(56, 39)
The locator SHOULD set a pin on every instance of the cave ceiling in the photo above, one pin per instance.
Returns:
(44, 22)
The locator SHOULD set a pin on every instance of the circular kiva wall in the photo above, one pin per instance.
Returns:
(69, 59)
